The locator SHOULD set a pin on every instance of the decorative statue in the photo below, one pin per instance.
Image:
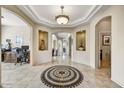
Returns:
(42, 45)
(81, 47)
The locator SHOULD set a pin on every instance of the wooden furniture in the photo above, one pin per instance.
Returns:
(10, 57)
(13, 57)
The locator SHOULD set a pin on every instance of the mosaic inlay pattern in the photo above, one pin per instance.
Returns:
(61, 76)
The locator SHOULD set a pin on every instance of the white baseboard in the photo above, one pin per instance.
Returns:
(75, 61)
(118, 82)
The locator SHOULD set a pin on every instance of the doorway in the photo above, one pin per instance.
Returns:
(103, 45)
(15, 34)
(105, 49)
(61, 47)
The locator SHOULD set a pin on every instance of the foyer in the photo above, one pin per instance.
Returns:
(88, 49)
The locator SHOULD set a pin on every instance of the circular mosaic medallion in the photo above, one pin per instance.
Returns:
(61, 76)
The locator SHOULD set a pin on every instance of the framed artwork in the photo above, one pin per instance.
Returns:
(106, 40)
(18, 40)
(43, 40)
(81, 40)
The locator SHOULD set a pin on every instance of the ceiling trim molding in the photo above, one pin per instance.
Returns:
(89, 15)
(43, 21)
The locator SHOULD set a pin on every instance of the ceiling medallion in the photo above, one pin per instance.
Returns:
(62, 19)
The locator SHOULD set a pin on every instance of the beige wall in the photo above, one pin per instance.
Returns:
(82, 57)
(11, 32)
(42, 56)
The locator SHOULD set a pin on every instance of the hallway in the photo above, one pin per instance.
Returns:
(63, 59)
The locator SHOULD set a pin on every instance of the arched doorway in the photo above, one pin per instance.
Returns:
(61, 47)
(16, 18)
(15, 23)
(103, 44)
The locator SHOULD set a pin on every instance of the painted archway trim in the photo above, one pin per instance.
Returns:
(97, 39)
(13, 9)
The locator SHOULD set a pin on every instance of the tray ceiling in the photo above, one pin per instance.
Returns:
(45, 14)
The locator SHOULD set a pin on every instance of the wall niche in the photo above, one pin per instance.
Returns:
(43, 40)
(81, 40)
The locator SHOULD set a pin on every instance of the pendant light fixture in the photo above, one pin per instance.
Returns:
(62, 19)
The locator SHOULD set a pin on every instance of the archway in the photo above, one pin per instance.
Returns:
(18, 39)
(103, 44)
(61, 46)
(30, 28)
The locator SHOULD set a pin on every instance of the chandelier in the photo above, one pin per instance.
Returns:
(62, 19)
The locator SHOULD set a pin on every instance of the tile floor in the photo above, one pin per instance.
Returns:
(27, 76)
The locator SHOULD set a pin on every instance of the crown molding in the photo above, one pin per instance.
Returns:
(40, 20)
